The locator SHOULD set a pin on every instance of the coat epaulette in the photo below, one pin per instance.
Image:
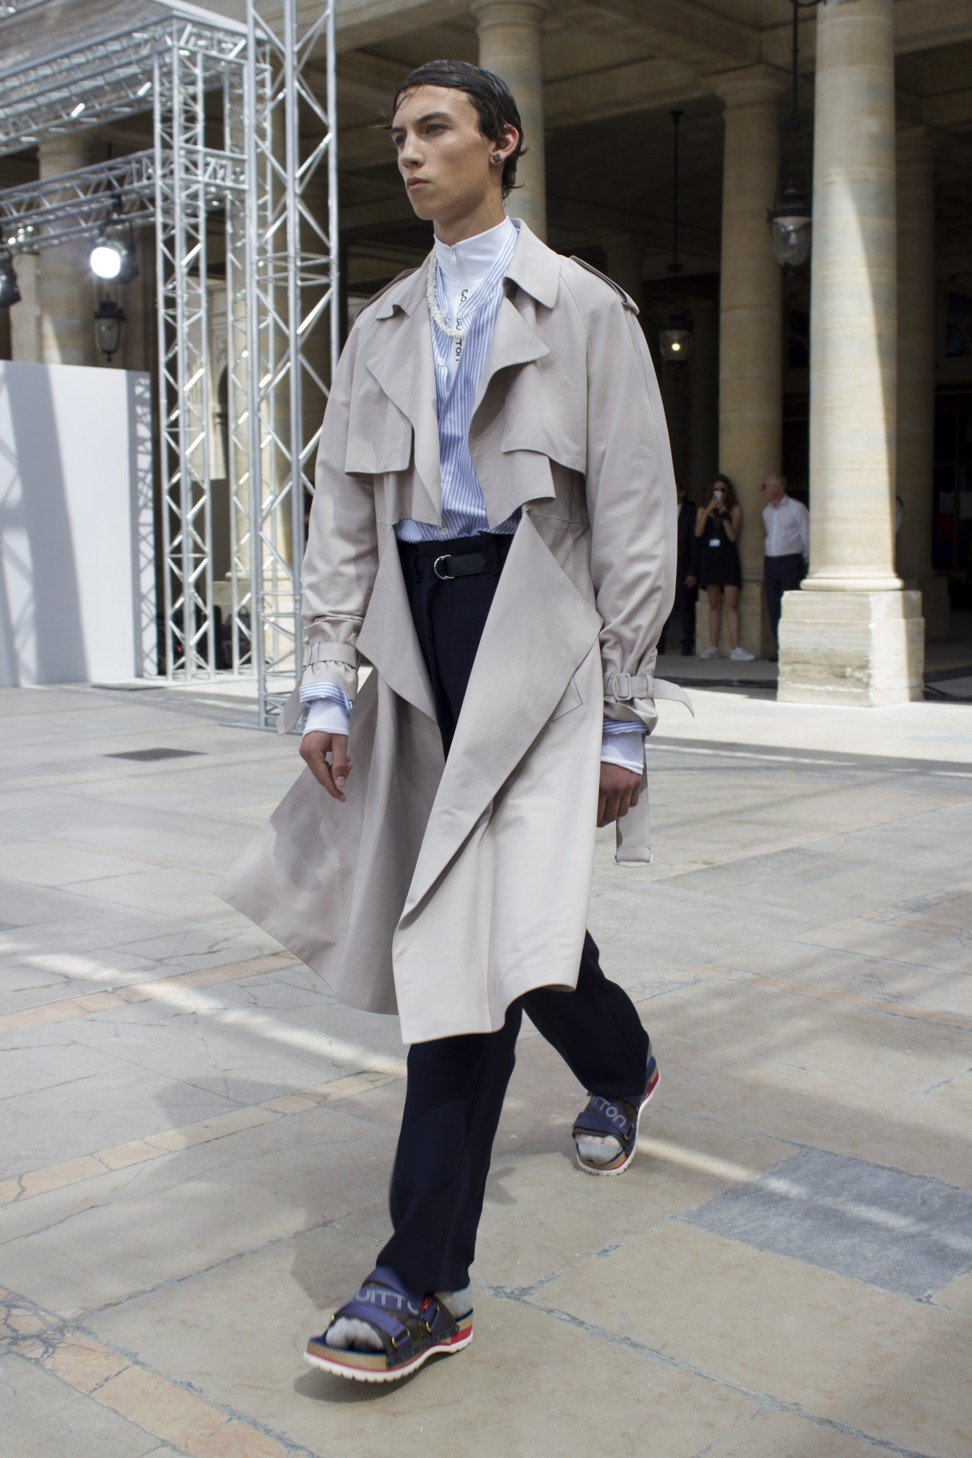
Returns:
(626, 298)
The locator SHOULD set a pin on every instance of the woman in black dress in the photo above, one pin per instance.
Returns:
(717, 526)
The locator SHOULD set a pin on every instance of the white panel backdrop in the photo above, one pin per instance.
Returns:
(77, 590)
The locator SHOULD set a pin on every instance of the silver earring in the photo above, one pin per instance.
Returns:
(497, 157)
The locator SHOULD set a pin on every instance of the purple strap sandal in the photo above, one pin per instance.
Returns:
(412, 1329)
(617, 1118)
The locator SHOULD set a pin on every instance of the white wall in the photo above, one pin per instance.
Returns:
(76, 542)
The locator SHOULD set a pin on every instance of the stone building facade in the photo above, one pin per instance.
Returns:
(853, 376)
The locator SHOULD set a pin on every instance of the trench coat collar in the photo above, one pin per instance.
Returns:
(399, 352)
(534, 267)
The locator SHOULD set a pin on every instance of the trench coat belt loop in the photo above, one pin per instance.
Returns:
(623, 686)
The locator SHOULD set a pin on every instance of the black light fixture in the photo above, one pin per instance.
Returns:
(113, 258)
(113, 255)
(109, 319)
(790, 219)
(675, 340)
(9, 291)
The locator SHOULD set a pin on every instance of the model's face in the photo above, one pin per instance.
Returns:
(443, 156)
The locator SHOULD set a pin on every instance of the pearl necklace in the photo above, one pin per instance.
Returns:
(431, 294)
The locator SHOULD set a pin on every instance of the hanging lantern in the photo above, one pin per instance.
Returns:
(675, 340)
(790, 228)
(109, 321)
(790, 219)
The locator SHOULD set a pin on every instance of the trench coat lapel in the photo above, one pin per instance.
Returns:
(398, 354)
(514, 342)
(540, 626)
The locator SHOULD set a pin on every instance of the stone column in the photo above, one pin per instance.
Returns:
(916, 373)
(510, 45)
(750, 322)
(852, 636)
(66, 292)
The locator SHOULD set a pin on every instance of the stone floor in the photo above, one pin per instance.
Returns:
(196, 1137)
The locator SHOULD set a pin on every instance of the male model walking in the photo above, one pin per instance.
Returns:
(493, 530)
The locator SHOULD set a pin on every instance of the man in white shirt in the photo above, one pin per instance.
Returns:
(787, 550)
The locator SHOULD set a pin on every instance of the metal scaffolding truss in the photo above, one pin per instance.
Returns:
(241, 139)
(77, 204)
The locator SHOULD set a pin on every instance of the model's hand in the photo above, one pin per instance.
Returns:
(326, 756)
(619, 790)
(691, 582)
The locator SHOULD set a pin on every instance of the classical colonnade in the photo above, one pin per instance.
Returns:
(855, 632)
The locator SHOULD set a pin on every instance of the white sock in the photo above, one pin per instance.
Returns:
(353, 1335)
(598, 1148)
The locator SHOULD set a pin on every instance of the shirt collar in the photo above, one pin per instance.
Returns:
(472, 258)
(534, 267)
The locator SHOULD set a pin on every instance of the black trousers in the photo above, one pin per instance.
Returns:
(456, 1086)
(781, 574)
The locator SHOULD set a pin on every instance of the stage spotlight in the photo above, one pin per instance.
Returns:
(9, 292)
(114, 259)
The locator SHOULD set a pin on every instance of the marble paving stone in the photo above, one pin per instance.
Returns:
(848, 1042)
(956, 1296)
(789, 1435)
(857, 974)
(543, 1215)
(40, 863)
(919, 1133)
(184, 893)
(35, 1061)
(872, 1361)
(43, 1418)
(878, 1225)
(919, 946)
(75, 1251)
(93, 1111)
(23, 905)
(952, 916)
(246, 1040)
(204, 1327)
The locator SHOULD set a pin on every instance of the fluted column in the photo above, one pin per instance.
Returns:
(851, 635)
(916, 373)
(66, 291)
(510, 35)
(750, 322)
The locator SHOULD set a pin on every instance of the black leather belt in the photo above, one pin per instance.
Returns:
(468, 557)
(471, 565)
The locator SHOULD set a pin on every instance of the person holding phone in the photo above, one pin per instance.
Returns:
(717, 527)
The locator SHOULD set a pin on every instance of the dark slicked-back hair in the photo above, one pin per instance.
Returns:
(489, 94)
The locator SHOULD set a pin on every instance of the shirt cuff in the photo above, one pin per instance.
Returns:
(329, 708)
(623, 744)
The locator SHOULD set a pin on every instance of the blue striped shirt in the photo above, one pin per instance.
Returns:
(471, 304)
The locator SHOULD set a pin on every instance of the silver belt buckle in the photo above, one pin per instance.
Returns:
(442, 576)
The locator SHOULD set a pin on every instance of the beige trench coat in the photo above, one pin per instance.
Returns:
(446, 891)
